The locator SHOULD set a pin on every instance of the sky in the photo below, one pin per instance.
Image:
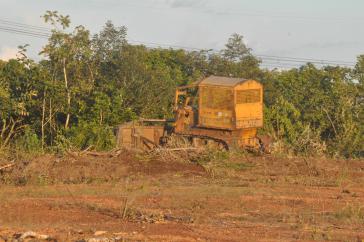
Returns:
(313, 29)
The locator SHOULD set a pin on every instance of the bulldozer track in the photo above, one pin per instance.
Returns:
(218, 141)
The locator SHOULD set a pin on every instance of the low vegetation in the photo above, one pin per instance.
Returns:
(86, 84)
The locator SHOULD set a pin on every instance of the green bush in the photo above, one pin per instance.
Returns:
(87, 134)
(29, 142)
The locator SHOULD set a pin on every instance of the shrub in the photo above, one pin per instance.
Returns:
(28, 142)
(86, 134)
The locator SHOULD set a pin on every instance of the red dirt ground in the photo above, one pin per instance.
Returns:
(151, 198)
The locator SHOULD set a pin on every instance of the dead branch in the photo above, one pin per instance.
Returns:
(180, 149)
(332, 123)
(86, 150)
(124, 207)
(117, 152)
(7, 166)
(73, 154)
(98, 154)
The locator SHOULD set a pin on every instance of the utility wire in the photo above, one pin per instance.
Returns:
(42, 32)
(24, 32)
(263, 57)
(21, 25)
(293, 59)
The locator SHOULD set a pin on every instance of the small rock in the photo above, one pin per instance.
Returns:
(16, 235)
(98, 233)
(3, 238)
(346, 191)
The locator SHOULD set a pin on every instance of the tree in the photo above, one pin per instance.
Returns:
(70, 56)
(235, 60)
(20, 82)
(235, 48)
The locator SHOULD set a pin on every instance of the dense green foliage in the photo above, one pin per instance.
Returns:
(85, 85)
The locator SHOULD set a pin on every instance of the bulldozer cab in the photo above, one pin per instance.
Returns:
(185, 108)
(230, 103)
(220, 103)
(186, 96)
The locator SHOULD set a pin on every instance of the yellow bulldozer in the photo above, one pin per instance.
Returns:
(221, 112)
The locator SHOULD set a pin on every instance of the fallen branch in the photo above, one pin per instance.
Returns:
(73, 154)
(7, 166)
(124, 208)
(180, 149)
(117, 152)
(86, 150)
(98, 154)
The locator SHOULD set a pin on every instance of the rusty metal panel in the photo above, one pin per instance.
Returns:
(126, 137)
(237, 105)
(248, 96)
(216, 107)
(216, 98)
(139, 137)
(152, 133)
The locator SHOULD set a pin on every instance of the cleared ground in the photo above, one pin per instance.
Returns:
(170, 197)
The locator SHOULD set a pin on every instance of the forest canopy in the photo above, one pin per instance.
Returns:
(84, 85)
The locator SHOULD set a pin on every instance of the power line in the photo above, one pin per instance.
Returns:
(24, 32)
(296, 59)
(267, 61)
(30, 30)
(21, 25)
(281, 65)
(263, 57)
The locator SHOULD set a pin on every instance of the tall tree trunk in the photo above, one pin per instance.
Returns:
(12, 125)
(3, 129)
(92, 75)
(43, 117)
(50, 121)
(101, 117)
(68, 95)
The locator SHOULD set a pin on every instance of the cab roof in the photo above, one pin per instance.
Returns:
(222, 81)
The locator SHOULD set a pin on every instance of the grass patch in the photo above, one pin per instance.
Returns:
(212, 156)
(236, 166)
(352, 213)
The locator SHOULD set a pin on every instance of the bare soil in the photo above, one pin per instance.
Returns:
(138, 197)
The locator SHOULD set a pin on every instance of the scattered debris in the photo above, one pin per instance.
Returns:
(30, 235)
(183, 219)
(346, 191)
(138, 216)
(98, 233)
(116, 239)
(3, 238)
(7, 166)
(88, 152)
